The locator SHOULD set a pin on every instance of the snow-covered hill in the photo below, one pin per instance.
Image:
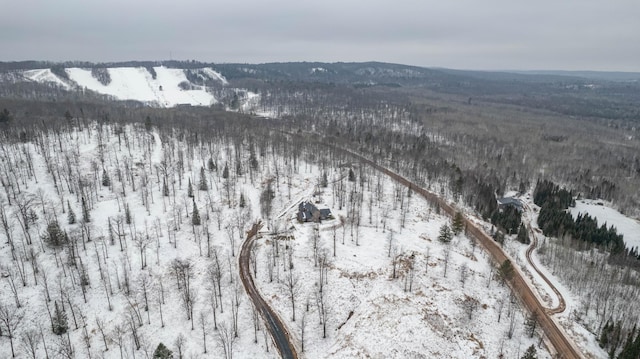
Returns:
(45, 76)
(115, 282)
(167, 87)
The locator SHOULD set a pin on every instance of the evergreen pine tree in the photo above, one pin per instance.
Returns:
(604, 334)
(506, 270)
(85, 211)
(445, 234)
(190, 189)
(239, 169)
(106, 181)
(242, 201)
(615, 338)
(195, 215)
(531, 323)
(147, 123)
(112, 237)
(55, 236)
(127, 213)
(225, 172)
(211, 165)
(60, 325)
(635, 348)
(253, 161)
(5, 116)
(531, 353)
(523, 235)
(71, 216)
(203, 180)
(352, 175)
(499, 237)
(457, 223)
(165, 188)
(162, 352)
(629, 351)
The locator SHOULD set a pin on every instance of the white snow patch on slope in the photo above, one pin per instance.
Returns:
(628, 227)
(136, 83)
(215, 75)
(45, 75)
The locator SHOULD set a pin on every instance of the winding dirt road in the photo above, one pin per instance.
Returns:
(564, 347)
(562, 305)
(276, 328)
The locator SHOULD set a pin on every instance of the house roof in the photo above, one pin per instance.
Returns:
(308, 209)
(510, 201)
(325, 211)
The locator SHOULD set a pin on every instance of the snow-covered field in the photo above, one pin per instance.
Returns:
(136, 83)
(452, 315)
(628, 227)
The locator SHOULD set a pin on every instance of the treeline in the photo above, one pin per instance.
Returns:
(547, 192)
(30, 65)
(102, 75)
(509, 219)
(612, 338)
(555, 221)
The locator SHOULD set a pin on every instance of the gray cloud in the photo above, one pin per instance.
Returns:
(471, 34)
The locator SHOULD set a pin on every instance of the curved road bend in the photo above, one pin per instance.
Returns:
(565, 347)
(278, 331)
(562, 305)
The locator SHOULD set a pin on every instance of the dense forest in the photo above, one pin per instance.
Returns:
(555, 221)
(471, 137)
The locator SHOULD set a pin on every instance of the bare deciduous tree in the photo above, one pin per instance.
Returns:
(204, 325)
(180, 343)
(183, 271)
(445, 259)
(226, 340)
(464, 269)
(293, 288)
(10, 319)
(29, 342)
(470, 305)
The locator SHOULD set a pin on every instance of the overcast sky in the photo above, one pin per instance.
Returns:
(465, 34)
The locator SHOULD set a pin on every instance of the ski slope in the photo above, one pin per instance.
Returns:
(45, 76)
(136, 83)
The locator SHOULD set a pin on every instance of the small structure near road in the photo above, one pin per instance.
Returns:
(308, 212)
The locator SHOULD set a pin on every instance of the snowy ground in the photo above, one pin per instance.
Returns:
(585, 339)
(430, 320)
(136, 83)
(374, 315)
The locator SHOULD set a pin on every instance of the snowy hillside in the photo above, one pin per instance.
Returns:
(167, 87)
(45, 76)
(112, 279)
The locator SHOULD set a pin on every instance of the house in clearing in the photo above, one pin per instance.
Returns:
(308, 212)
(509, 202)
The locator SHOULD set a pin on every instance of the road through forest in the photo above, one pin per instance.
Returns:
(563, 346)
(562, 305)
(276, 328)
